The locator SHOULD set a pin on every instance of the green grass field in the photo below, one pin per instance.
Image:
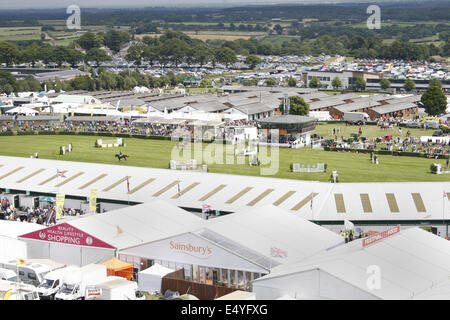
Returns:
(20, 33)
(351, 167)
(369, 131)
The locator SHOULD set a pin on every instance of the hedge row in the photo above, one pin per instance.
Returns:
(387, 152)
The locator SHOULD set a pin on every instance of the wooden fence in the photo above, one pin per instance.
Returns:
(200, 290)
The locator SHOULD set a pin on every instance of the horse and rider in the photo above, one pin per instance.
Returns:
(120, 156)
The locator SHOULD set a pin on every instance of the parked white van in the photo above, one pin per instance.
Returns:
(53, 282)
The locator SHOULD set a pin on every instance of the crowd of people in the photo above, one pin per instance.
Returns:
(125, 126)
(44, 216)
(433, 148)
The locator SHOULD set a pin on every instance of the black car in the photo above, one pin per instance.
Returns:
(438, 133)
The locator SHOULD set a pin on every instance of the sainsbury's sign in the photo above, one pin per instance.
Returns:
(199, 251)
(67, 234)
(382, 235)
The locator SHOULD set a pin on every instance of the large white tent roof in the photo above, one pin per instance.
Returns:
(263, 228)
(396, 201)
(13, 229)
(138, 224)
(251, 234)
(411, 263)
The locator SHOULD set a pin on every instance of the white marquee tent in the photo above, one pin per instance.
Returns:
(150, 279)
(410, 264)
(22, 110)
(10, 246)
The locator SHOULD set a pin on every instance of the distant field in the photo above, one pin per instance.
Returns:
(401, 24)
(205, 37)
(61, 35)
(326, 130)
(209, 35)
(352, 167)
(20, 33)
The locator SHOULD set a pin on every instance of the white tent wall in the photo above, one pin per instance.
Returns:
(11, 249)
(207, 254)
(333, 288)
(76, 204)
(296, 285)
(38, 249)
(111, 206)
(67, 254)
(95, 255)
(150, 279)
(26, 201)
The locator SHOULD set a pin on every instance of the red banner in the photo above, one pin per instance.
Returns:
(67, 234)
(382, 235)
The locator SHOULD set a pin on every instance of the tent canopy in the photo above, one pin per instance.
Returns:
(47, 199)
(24, 110)
(116, 264)
(116, 267)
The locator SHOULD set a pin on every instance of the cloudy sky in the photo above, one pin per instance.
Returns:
(36, 4)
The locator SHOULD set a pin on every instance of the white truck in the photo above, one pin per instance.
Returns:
(321, 115)
(115, 288)
(53, 281)
(356, 116)
(75, 283)
(17, 291)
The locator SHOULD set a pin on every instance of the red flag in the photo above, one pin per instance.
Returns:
(60, 173)
(278, 253)
(128, 185)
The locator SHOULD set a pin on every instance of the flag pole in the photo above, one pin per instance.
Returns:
(443, 213)
(128, 190)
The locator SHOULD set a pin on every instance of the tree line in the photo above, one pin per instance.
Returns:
(99, 79)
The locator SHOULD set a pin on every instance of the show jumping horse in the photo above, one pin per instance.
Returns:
(121, 156)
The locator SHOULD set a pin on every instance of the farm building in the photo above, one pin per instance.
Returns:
(400, 109)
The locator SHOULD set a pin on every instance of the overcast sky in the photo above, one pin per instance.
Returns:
(40, 4)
